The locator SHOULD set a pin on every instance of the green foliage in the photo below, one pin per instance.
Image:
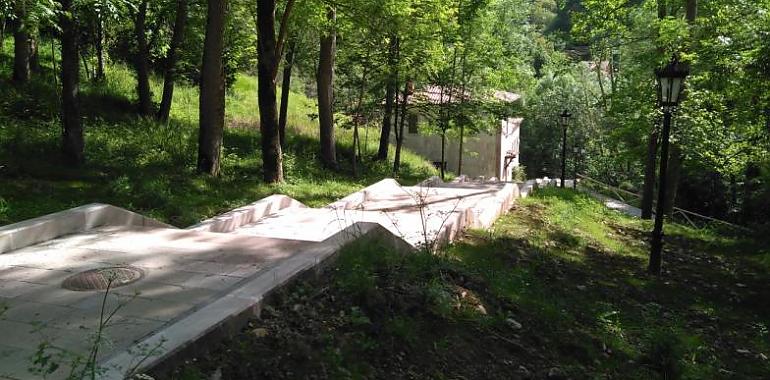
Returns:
(150, 168)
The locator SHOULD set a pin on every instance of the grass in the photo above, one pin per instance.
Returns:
(556, 289)
(140, 165)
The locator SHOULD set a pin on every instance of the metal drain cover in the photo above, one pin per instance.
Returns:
(101, 278)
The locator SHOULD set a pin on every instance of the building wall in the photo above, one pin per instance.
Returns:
(484, 153)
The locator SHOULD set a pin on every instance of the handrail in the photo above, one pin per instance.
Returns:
(684, 212)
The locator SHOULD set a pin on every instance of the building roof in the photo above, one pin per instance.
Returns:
(435, 94)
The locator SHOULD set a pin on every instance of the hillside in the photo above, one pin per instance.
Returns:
(146, 167)
(557, 289)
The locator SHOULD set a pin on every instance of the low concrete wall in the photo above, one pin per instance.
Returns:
(250, 213)
(78, 219)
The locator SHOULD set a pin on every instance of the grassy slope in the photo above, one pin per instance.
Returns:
(149, 168)
(557, 289)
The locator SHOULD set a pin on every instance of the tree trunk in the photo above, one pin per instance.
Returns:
(141, 61)
(171, 60)
(212, 90)
(390, 93)
(674, 171)
(21, 45)
(400, 126)
(2, 38)
(359, 115)
(34, 56)
(325, 83)
(100, 76)
(648, 189)
(691, 10)
(285, 90)
(269, 53)
(72, 131)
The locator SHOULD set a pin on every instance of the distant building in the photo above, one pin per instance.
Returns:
(487, 154)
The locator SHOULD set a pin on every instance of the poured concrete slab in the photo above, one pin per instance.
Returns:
(184, 271)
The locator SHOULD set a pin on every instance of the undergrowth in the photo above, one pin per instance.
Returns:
(557, 289)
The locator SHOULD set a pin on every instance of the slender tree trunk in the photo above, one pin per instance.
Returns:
(72, 131)
(269, 53)
(171, 61)
(390, 94)
(100, 76)
(34, 55)
(648, 189)
(2, 38)
(84, 60)
(142, 60)
(359, 114)
(325, 82)
(212, 92)
(21, 45)
(53, 64)
(285, 90)
(400, 126)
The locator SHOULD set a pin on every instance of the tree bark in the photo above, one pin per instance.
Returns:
(171, 61)
(142, 61)
(648, 189)
(400, 126)
(691, 10)
(390, 93)
(212, 90)
(269, 53)
(285, 90)
(72, 131)
(34, 55)
(21, 45)
(325, 84)
(100, 76)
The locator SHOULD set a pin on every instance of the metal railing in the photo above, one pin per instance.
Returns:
(693, 219)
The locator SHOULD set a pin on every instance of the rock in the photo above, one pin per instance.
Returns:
(556, 373)
(217, 375)
(260, 332)
(513, 323)
(581, 287)
(524, 371)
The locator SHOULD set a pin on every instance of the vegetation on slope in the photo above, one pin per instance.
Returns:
(557, 289)
(149, 168)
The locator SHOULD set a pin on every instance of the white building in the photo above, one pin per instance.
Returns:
(487, 154)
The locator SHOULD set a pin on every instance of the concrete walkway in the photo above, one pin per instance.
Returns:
(193, 282)
(614, 204)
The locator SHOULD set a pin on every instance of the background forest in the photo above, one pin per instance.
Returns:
(333, 78)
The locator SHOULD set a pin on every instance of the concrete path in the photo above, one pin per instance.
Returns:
(194, 281)
(614, 204)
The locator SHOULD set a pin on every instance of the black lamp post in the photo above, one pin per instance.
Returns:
(670, 85)
(565, 115)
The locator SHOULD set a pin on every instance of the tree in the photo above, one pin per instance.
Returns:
(73, 144)
(141, 62)
(270, 51)
(285, 90)
(212, 90)
(325, 82)
(171, 60)
(22, 47)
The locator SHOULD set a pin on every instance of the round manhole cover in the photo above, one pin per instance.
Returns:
(101, 278)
